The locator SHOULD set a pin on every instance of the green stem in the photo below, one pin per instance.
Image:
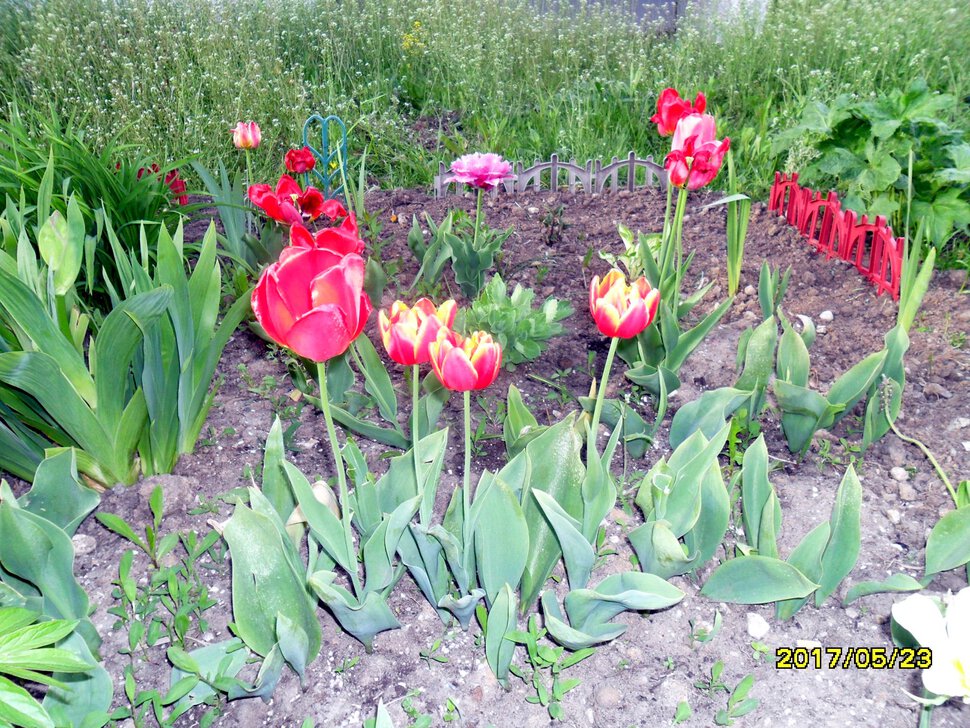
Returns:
(341, 479)
(666, 238)
(600, 398)
(249, 181)
(478, 218)
(929, 456)
(679, 244)
(415, 434)
(466, 487)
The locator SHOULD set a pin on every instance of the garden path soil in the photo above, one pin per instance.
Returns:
(639, 679)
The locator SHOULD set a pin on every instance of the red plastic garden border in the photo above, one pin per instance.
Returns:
(871, 246)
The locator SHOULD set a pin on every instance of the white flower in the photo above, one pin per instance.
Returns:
(947, 636)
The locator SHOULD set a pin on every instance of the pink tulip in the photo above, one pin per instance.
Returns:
(696, 154)
(483, 171)
(671, 109)
(246, 135)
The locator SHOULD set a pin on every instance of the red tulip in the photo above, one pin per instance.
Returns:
(409, 332)
(696, 154)
(246, 135)
(342, 239)
(622, 310)
(289, 202)
(464, 364)
(671, 109)
(300, 161)
(312, 301)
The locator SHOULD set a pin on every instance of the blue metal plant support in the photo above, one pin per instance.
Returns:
(331, 166)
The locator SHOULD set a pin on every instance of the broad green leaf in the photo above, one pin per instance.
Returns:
(377, 381)
(659, 552)
(578, 554)
(294, 644)
(853, 384)
(756, 492)
(842, 550)
(948, 546)
(793, 361)
(501, 539)
(626, 591)
(708, 533)
(275, 485)
(807, 558)
(519, 421)
(756, 580)
(264, 583)
(18, 707)
(81, 699)
(501, 622)
(706, 414)
(575, 639)
(554, 466)
(58, 495)
(362, 620)
(895, 583)
(324, 525)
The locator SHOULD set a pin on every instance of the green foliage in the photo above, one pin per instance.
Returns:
(454, 240)
(863, 148)
(522, 330)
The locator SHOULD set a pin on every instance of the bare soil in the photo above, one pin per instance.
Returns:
(639, 679)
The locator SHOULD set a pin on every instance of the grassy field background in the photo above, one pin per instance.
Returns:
(424, 80)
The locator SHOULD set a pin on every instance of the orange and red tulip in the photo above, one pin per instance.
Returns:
(408, 333)
(622, 310)
(463, 364)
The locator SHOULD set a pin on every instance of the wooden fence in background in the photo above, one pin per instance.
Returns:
(555, 175)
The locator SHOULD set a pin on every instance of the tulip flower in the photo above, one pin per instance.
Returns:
(671, 109)
(621, 310)
(482, 171)
(342, 239)
(299, 161)
(312, 301)
(289, 203)
(947, 636)
(408, 333)
(463, 364)
(246, 135)
(696, 154)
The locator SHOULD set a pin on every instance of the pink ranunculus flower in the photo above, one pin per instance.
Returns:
(696, 154)
(483, 171)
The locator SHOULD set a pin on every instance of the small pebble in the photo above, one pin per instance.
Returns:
(894, 516)
(936, 390)
(852, 613)
(899, 474)
(758, 627)
(826, 316)
(608, 697)
(808, 644)
(907, 492)
(83, 544)
(750, 290)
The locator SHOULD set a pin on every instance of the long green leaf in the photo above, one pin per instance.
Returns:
(756, 580)
(842, 550)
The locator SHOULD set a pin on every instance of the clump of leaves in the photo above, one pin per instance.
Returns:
(863, 148)
(522, 330)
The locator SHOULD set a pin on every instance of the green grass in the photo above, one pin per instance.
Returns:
(173, 77)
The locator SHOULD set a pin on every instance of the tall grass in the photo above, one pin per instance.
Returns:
(173, 77)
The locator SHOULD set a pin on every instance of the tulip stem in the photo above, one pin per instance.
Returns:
(478, 218)
(249, 181)
(415, 430)
(600, 398)
(466, 492)
(679, 232)
(341, 479)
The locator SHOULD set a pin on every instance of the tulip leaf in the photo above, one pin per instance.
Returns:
(756, 580)
(895, 583)
(807, 558)
(377, 381)
(793, 363)
(708, 532)
(362, 620)
(264, 583)
(384, 435)
(501, 622)
(853, 384)
(659, 551)
(948, 546)
(431, 404)
(690, 340)
(501, 538)
(554, 466)
(842, 549)
(462, 607)
(626, 591)
(637, 435)
(578, 554)
(519, 422)
(323, 524)
(706, 414)
(275, 485)
(575, 639)
(756, 491)
(379, 549)
(422, 554)
(57, 493)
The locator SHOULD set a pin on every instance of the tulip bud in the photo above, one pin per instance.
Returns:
(246, 135)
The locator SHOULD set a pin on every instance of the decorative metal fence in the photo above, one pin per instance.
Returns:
(555, 175)
(871, 246)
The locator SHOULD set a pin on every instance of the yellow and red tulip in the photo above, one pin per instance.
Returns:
(620, 310)
(463, 364)
(408, 333)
